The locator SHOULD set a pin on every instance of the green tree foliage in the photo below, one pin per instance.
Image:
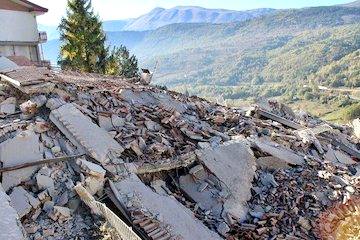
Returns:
(83, 44)
(83, 40)
(352, 112)
(121, 63)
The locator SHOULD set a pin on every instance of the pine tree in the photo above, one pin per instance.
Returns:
(121, 63)
(83, 40)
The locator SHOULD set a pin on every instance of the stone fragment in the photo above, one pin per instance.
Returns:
(62, 213)
(44, 182)
(198, 172)
(105, 123)
(272, 163)
(117, 121)
(206, 196)
(84, 134)
(91, 168)
(54, 103)
(23, 148)
(23, 201)
(48, 232)
(223, 229)
(233, 164)
(8, 106)
(10, 225)
(30, 107)
(48, 206)
(267, 179)
(304, 223)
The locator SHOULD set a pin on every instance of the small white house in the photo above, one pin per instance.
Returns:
(19, 35)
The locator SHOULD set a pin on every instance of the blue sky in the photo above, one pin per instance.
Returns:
(122, 9)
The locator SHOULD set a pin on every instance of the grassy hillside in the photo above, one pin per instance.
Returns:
(284, 47)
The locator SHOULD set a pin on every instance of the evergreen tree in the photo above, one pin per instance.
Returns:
(121, 63)
(83, 40)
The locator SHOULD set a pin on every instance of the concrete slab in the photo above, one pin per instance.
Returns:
(233, 163)
(338, 157)
(278, 151)
(180, 220)
(23, 148)
(148, 98)
(10, 225)
(84, 134)
(205, 195)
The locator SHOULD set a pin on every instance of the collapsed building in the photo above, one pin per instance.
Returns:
(86, 156)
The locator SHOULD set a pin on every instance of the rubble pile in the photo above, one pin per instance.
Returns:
(86, 156)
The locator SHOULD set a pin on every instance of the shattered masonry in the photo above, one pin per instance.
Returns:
(126, 160)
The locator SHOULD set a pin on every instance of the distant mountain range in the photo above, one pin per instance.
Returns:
(160, 17)
(274, 46)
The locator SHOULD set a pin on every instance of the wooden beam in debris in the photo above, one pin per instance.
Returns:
(41, 162)
(279, 119)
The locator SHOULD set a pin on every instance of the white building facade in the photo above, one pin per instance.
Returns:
(19, 35)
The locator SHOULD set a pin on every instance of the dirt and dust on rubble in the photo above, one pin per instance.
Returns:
(86, 156)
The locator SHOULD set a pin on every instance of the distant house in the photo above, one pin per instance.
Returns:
(19, 35)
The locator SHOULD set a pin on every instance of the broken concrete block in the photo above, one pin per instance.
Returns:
(280, 152)
(91, 168)
(271, 163)
(148, 98)
(356, 126)
(233, 164)
(105, 123)
(203, 194)
(180, 220)
(82, 132)
(62, 213)
(8, 106)
(44, 182)
(54, 103)
(198, 172)
(23, 201)
(223, 229)
(30, 107)
(94, 184)
(10, 225)
(338, 157)
(23, 148)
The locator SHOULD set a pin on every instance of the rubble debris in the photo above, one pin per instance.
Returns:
(100, 209)
(233, 164)
(82, 133)
(23, 148)
(10, 225)
(138, 196)
(29, 79)
(173, 166)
